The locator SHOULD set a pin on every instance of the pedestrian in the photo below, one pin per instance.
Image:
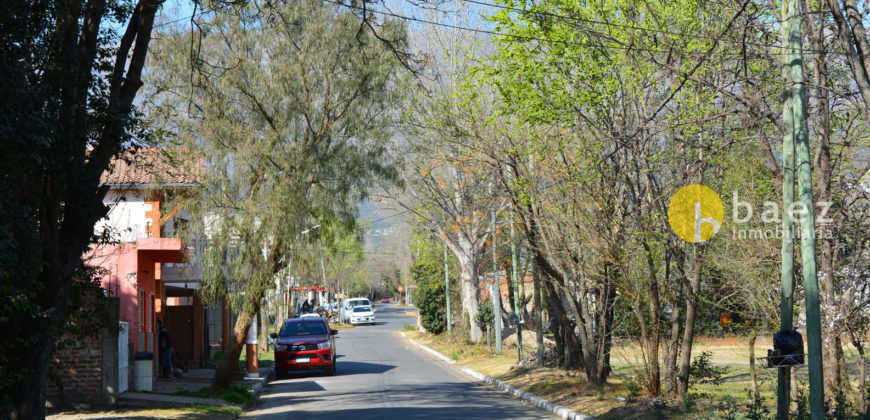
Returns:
(165, 345)
(306, 307)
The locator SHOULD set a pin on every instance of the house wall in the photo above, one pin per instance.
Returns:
(526, 290)
(127, 215)
(121, 279)
(80, 369)
(86, 369)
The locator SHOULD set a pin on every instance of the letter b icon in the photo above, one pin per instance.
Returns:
(695, 213)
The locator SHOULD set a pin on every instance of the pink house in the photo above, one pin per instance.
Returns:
(142, 236)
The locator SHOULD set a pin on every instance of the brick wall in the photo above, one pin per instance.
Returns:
(81, 371)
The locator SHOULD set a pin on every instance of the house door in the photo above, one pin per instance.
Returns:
(179, 322)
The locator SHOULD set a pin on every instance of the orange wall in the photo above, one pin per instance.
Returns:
(153, 230)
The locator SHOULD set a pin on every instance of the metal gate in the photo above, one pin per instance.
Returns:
(123, 357)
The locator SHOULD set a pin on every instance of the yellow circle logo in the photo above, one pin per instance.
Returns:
(695, 213)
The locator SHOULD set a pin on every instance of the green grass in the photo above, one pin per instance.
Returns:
(409, 327)
(236, 394)
(212, 411)
(264, 358)
(705, 400)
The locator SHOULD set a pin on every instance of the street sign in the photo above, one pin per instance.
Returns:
(401, 289)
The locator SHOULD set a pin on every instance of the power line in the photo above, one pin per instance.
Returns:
(479, 31)
(200, 13)
(612, 24)
(554, 15)
(589, 31)
(371, 222)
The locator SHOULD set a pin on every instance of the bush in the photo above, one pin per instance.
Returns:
(756, 410)
(484, 314)
(704, 371)
(429, 299)
(427, 273)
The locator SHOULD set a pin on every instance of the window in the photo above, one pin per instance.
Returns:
(295, 329)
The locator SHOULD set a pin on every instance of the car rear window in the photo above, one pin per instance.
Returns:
(359, 302)
(293, 329)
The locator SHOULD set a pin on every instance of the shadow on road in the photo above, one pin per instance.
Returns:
(342, 368)
(447, 401)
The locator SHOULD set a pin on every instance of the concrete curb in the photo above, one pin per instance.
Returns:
(257, 384)
(557, 410)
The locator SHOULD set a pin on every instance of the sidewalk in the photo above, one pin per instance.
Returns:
(163, 390)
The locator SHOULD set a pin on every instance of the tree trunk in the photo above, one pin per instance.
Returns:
(689, 331)
(673, 350)
(752, 374)
(793, 389)
(29, 398)
(823, 170)
(604, 336)
(470, 293)
(855, 49)
(264, 329)
(654, 308)
(66, 234)
(226, 368)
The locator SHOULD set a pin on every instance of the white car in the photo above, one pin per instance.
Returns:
(362, 315)
(347, 306)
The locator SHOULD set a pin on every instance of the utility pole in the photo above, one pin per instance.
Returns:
(447, 289)
(517, 309)
(496, 297)
(323, 270)
(786, 307)
(795, 124)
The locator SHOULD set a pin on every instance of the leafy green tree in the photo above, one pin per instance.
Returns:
(485, 315)
(69, 83)
(427, 273)
(291, 107)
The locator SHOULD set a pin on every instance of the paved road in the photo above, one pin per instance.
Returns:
(379, 376)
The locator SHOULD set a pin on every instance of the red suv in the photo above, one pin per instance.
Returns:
(304, 343)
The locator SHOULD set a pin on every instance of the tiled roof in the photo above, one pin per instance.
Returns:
(154, 167)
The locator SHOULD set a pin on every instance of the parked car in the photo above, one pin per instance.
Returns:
(347, 306)
(385, 300)
(304, 343)
(362, 315)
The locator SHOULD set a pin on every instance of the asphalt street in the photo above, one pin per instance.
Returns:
(381, 376)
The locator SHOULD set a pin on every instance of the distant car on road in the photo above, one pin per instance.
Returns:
(304, 343)
(348, 304)
(385, 300)
(362, 315)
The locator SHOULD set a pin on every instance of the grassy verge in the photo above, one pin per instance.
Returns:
(236, 394)
(195, 411)
(618, 399)
(265, 357)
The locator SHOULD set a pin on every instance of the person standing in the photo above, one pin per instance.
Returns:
(165, 345)
(306, 307)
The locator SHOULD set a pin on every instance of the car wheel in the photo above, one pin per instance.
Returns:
(330, 371)
(280, 373)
